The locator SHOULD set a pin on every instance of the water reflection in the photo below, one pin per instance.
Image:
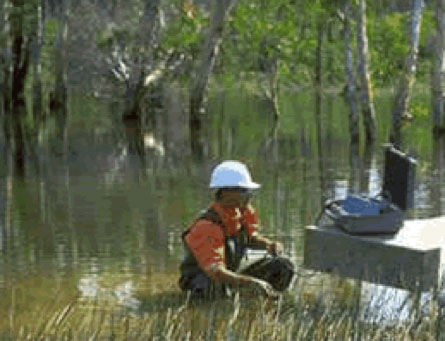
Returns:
(123, 293)
(438, 166)
(389, 306)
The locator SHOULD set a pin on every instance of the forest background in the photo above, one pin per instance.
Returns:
(137, 50)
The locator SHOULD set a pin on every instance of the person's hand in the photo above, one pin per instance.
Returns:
(275, 248)
(264, 288)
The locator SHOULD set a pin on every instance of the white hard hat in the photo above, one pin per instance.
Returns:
(232, 174)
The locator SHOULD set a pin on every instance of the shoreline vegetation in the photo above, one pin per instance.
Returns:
(314, 310)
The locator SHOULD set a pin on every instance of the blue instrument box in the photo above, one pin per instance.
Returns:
(362, 214)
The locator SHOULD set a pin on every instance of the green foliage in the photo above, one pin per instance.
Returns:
(389, 42)
(111, 35)
(126, 33)
(184, 31)
(287, 30)
(426, 54)
(389, 45)
(420, 110)
(30, 16)
(283, 30)
(258, 33)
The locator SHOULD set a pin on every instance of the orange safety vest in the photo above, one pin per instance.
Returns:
(233, 245)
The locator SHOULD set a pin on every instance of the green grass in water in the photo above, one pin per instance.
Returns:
(308, 312)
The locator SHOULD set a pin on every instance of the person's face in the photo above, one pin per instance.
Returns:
(235, 196)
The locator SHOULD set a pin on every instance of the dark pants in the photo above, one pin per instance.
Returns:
(278, 271)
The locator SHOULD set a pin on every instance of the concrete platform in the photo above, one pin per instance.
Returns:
(412, 259)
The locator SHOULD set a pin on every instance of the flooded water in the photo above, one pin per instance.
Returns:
(102, 220)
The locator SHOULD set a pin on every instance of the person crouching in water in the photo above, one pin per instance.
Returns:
(221, 236)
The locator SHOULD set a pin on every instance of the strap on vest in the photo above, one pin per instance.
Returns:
(214, 217)
(208, 214)
(234, 245)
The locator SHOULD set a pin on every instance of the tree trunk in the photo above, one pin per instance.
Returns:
(150, 25)
(367, 104)
(438, 79)
(272, 86)
(350, 78)
(9, 199)
(148, 38)
(6, 64)
(138, 82)
(220, 11)
(59, 102)
(331, 51)
(269, 64)
(20, 57)
(400, 108)
(3, 40)
(320, 146)
(35, 51)
(319, 56)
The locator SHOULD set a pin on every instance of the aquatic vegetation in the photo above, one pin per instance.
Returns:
(314, 309)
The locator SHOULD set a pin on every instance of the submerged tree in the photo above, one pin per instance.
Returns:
(20, 60)
(6, 65)
(321, 26)
(59, 100)
(350, 76)
(141, 59)
(220, 11)
(367, 103)
(138, 77)
(401, 102)
(36, 42)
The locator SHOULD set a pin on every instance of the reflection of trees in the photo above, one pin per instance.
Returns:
(8, 197)
(50, 221)
(20, 59)
(305, 153)
(438, 161)
(350, 77)
(360, 168)
(354, 165)
(36, 42)
(220, 11)
(320, 146)
(59, 97)
(367, 164)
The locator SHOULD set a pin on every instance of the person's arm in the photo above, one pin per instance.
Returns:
(223, 275)
(252, 221)
(274, 247)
